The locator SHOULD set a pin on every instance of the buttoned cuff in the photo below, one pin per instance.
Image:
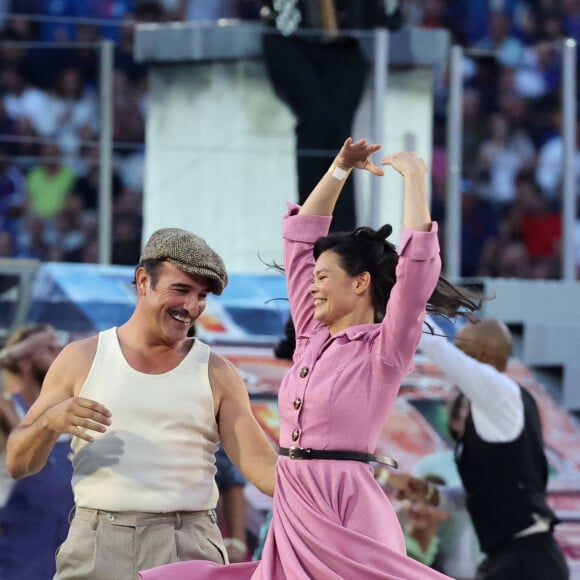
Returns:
(304, 228)
(419, 245)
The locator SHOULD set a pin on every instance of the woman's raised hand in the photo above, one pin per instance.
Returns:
(357, 154)
(406, 163)
(322, 199)
(416, 214)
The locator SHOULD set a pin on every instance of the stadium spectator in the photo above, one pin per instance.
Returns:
(33, 513)
(522, 83)
(49, 183)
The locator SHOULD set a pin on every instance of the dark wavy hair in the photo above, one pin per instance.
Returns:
(367, 250)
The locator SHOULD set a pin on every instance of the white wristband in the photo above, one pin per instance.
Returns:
(338, 172)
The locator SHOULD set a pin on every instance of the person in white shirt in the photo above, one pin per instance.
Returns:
(499, 455)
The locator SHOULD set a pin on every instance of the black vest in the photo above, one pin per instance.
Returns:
(505, 482)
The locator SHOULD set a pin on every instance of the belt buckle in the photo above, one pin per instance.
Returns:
(293, 452)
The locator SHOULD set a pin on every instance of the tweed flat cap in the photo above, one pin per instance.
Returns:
(189, 253)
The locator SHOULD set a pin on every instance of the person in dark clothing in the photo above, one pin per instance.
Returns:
(33, 512)
(320, 73)
(500, 455)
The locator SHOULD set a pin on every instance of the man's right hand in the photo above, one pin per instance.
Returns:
(76, 414)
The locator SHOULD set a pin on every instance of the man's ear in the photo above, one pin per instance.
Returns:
(487, 355)
(141, 280)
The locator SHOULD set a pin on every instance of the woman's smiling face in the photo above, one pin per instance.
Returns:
(332, 290)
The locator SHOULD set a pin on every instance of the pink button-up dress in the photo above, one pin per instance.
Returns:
(331, 520)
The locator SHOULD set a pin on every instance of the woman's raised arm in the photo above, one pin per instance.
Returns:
(324, 196)
(416, 214)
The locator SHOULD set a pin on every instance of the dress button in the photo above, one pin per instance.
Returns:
(297, 403)
(303, 372)
(110, 517)
(295, 434)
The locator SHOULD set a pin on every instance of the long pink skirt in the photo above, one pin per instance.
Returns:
(330, 525)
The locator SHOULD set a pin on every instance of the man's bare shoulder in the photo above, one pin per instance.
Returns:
(221, 366)
(74, 361)
(219, 362)
(80, 350)
(223, 375)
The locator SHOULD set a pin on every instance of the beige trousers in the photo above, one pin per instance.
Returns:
(116, 546)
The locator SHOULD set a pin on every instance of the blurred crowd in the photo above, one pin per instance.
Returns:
(49, 125)
(512, 143)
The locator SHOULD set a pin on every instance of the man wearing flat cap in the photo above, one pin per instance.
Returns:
(146, 406)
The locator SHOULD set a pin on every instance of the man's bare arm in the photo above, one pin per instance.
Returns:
(57, 410)
(243, 439)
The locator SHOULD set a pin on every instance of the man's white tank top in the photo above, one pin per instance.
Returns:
(158, 454)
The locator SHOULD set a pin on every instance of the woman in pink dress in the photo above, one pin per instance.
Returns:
(358, 308)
